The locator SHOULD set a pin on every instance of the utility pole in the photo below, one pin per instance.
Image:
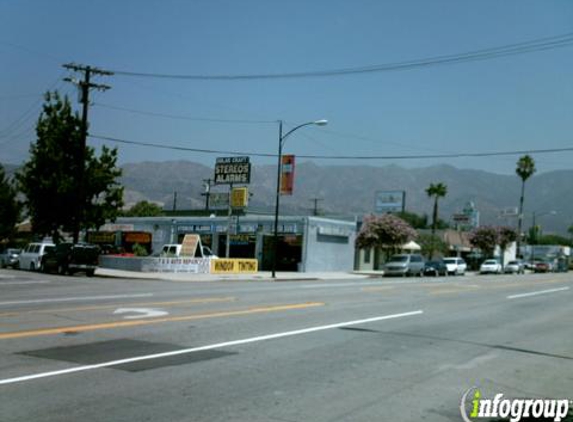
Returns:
(207, 192)
(175, 201)
(315, 209)
(84, 86)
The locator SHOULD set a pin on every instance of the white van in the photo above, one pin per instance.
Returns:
(456, 266)
(31, 256)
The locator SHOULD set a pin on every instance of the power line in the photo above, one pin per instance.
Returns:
(182, 117)
(34, 109)
(540, 44)
(340, 157)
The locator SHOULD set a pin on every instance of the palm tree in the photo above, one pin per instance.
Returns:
(525, 169)
(438, 190)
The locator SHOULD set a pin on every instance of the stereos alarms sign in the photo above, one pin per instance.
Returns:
(232, 170)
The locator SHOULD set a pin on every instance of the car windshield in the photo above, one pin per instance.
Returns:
(398, 258)
(449, 260)
(490, 262)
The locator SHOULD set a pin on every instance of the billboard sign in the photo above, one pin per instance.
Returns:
(218, 200)
(390, 201)
(462, 218)
(232, 170)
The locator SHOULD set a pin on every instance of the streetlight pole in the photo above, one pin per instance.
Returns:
(282, 139)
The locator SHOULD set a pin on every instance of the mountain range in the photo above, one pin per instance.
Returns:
(349, 191)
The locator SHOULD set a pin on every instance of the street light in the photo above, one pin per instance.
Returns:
(282, 139)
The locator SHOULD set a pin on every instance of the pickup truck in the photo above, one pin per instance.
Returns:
(174, 250)
(69, 258)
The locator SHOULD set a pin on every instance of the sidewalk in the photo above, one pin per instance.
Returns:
(260, 276)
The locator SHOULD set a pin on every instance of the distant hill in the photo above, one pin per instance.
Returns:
(350, 190)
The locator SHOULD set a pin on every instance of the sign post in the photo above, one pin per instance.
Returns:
(232, 171)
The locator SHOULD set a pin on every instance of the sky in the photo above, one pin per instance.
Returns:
(515, 103)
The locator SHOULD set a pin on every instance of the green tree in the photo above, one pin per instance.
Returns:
(525, 169)
(144, 209)
(570, 231)
(385, 232)
(438, 190)
(484, 238)
(9, 206)
(432, 244)
(50, 182)
(553, 239)
(413, 219)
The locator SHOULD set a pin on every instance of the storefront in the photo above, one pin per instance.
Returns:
(304, 243)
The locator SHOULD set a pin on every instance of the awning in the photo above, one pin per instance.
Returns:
(411, 246)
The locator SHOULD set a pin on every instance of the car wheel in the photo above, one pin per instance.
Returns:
(90, 273)
(32, 267)
(61, 269)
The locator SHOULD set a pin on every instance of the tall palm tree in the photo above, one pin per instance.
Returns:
(525, 169)
(438, 190)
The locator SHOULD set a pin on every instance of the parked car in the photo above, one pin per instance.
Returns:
(456, 266)
(514, 267)
(543, 267)
(404, 265)
(9, 258)
(490, 266)
(436, 268)
(31, 256)
(69, 258)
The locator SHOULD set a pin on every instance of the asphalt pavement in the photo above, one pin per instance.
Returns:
(327, 349)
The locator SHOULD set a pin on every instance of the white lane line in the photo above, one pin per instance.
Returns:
(539, 292)
(203, 348)
(74, 299)
(5, 283)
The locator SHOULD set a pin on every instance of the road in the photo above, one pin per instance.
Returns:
(101, 349)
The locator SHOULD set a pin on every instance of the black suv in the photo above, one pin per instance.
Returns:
(68, 258)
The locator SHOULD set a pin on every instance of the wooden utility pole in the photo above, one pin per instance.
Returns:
(84, 86)
(315, 210)
(175, 201)
(207, 193)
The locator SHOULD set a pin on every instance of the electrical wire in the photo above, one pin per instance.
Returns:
(540, 44)
(339, 157)
(181, 117)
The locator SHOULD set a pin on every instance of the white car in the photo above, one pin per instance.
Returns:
(490, 266)
(31, 257)
(456, 266)
(514, 267)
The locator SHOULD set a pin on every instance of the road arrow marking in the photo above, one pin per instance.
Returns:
(143, 312)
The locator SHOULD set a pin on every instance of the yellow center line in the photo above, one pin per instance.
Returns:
(141, 322)
(121, 305)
